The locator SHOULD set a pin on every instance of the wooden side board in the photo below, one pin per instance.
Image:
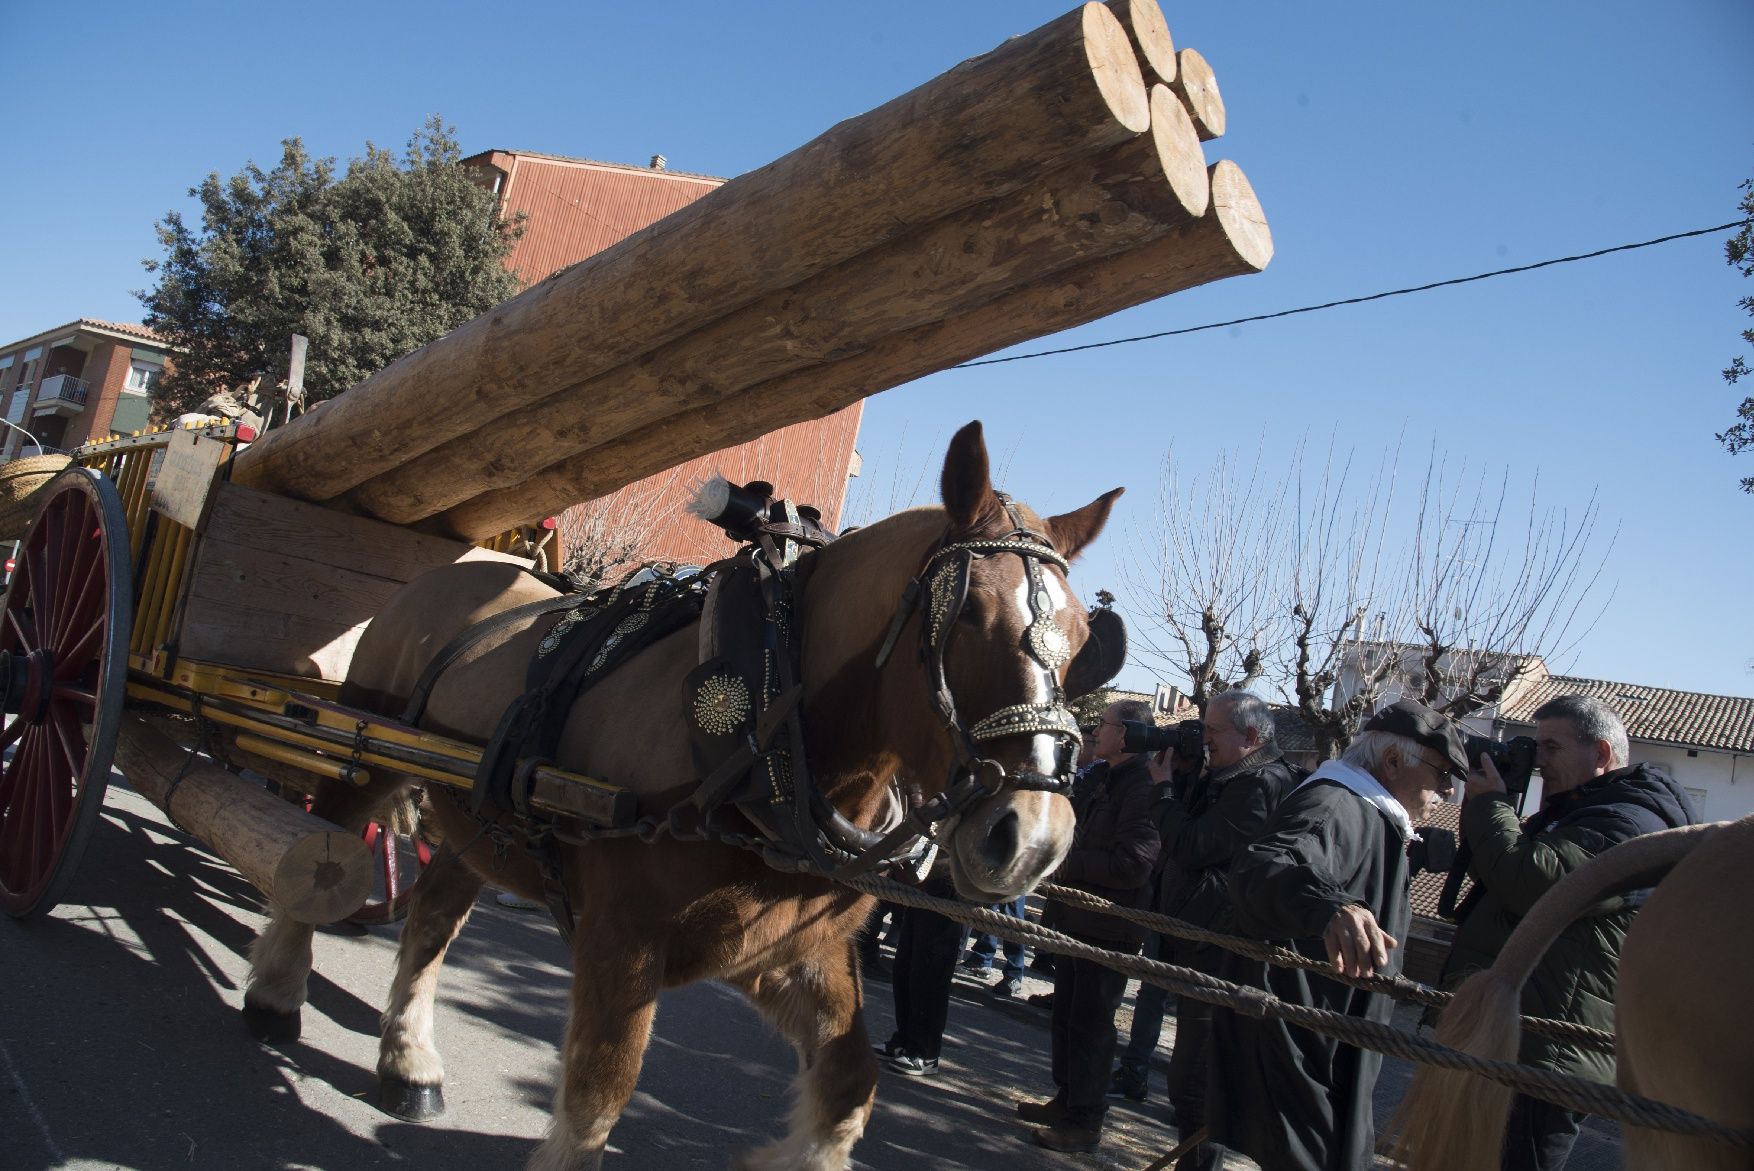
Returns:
(284, 586)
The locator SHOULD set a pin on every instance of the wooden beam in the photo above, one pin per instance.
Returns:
(1231, 240)
(1197, 87)
(1143, 20)
(986, 127)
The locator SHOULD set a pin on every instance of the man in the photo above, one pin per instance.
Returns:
(1591, 799)
(1226, 808)
(1113, 848)
(1329, 878)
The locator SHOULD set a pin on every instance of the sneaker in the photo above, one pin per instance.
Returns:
(975, 962)
(1048, 1113)
(1041, 999)
(506, 898)
(890, 1049)
(1008, 986)
(1068, 1137)
(1123, 1084)
(908, 1063)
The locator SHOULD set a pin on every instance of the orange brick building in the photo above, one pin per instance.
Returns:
(576, 208)
(78, 382)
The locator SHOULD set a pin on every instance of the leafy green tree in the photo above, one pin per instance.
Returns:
(1739, 251)
(369, 266)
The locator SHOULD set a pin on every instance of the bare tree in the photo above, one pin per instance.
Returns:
(603, 538)
(1312, 585)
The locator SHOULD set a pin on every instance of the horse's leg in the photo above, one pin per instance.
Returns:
(817, 1004)
(616, 980)
(280, 958)
(410, 1073)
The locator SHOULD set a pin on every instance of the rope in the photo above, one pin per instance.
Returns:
(1398, 988)
(1571, 1092)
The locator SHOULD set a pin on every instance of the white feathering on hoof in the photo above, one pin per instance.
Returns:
(711, 498)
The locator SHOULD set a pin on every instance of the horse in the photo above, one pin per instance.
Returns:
(650, 915)
(1681, 1033)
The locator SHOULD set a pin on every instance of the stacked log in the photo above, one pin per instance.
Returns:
(1034, 188)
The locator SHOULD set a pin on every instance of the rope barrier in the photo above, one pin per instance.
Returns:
(1399, 988)
(1571, 1092)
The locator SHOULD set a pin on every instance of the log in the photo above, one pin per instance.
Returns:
(1197, 87)
(1143, 20)
(314, 870)
(1230, 240)
(986, 127)
(1125, 197)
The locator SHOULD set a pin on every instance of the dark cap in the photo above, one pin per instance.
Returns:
(1415, 721)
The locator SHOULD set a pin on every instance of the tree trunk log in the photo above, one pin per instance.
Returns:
(1144, 22)
(989, 126)
(316, 871)
(1197, 86)
(1128, 196)
(1230, 240)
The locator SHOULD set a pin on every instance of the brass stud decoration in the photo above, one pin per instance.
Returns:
(1049, 643)
(721, 704)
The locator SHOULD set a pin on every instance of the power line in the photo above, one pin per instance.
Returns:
(1146, 337)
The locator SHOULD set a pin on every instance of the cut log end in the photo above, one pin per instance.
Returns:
(1150, 32)
(1115, 68)
(1178, 151)
(1198, 87)
(1237, 209)
(324, 878)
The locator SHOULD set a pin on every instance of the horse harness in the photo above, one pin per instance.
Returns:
(741, 703)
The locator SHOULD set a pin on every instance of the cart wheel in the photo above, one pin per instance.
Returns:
(399, 858)
(64, 631)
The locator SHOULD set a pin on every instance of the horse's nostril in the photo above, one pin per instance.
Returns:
(999, 847)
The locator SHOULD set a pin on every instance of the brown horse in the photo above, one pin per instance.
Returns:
(659, 915)
(1682, 1032)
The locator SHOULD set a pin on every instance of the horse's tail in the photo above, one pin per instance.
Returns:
(1441, 1122)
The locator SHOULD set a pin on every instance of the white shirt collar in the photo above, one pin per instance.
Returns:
(1367, 787)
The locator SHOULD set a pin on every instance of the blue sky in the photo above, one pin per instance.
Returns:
(1390, 144)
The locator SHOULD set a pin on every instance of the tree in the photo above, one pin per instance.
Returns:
(1303, 588)
(368, 266)
(1739, 252)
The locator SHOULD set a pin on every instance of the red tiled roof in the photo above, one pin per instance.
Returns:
(139, 331)
(1687, 718)
(1427, 887)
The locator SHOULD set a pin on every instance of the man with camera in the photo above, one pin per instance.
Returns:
(1222, 809)
(1591, 799)
(1113, 848)
(1327, 877)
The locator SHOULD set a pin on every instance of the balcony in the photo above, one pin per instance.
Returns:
(62, 394)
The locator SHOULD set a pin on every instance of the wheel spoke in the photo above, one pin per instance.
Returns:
(90, 595)
(85, 647)
(74, 579)
(12, 732)
(16, 836)
(70, 736)
(35, 572)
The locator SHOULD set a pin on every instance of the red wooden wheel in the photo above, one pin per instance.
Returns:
(399, 859)
(64, 630)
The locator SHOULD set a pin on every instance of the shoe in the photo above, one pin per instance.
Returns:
(905, 1062)
(976, 963)
(1049, 1113)
(1041, 1000)
(1008, 986)
(890, 1049)
(1124, 1085)
(1068, 1137)
(506, 898)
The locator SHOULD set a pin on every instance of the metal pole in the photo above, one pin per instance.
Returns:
(33, 439)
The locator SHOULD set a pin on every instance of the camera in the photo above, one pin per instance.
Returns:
(1514, 759)
(1186, 739)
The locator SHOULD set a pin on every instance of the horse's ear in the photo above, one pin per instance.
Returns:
(967, 484)
(1101, 657)
(1071, 532)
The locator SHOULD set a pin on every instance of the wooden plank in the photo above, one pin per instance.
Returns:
(186, 477)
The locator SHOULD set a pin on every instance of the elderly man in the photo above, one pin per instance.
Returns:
(1224, 809)
(1329, 878)
(1112, 852)
(1591, 799)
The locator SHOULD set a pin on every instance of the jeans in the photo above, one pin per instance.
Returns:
(1539, 1135)
(986, 947)
(1149, 1006)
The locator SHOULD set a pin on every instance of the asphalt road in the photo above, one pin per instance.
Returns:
(121, 1047)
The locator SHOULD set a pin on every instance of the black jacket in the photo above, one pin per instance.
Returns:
(1113, 849)
(1514, 865)
(1222, 811)
(1288, 1098)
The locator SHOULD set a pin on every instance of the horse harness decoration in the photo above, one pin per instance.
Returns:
(742, 701)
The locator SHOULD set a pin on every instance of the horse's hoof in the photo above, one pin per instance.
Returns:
(410, 1102)
(270, 1027)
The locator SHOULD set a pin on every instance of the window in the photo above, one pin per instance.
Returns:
(142, 378)
(27, 372)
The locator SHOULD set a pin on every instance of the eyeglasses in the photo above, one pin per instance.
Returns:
(1109, 724)
(1441, 769)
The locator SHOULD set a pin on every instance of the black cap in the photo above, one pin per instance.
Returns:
(1433, 730)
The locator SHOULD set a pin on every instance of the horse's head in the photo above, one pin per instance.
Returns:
(940, 647)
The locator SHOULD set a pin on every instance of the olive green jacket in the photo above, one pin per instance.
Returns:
(1513, 865)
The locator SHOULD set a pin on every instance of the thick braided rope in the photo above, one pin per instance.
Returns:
(1571, 1092)
(1398, 987)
